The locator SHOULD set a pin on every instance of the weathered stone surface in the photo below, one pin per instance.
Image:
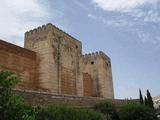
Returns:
(44, 98)
(52, 61)
(98, 65)
(21, 61)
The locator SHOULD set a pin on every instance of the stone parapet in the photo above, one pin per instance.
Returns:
(96, 54)
(44, 29)
(44, 98)
(11, 48)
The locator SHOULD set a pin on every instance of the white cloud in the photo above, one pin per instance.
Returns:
(133, 8)
(113, 23)
(152, 16)
(121, 5)
(147, 38)
(18, 16)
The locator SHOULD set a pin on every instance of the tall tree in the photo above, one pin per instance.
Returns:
(149, 98)
(12, 107)
(140, 97)
(145, 101)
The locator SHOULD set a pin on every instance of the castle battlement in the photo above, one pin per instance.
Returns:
(52, 61)
(96, 54)
(45, 29)
(39, 30)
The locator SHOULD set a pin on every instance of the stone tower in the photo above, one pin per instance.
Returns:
(61, 67)
(58, 55)
(97, 66)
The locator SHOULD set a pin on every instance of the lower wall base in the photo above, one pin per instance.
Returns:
(44, 98)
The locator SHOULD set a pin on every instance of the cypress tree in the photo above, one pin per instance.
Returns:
(145, 101)
(149, 98)
(140, 97)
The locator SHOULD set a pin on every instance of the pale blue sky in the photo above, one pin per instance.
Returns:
(128, 31)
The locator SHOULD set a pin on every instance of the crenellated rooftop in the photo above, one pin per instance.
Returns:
(95, 54)
(45, 29)
(38, 30)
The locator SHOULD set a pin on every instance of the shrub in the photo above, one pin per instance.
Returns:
(136, 112)
(108, 109)
(66, 113)
(12, 107)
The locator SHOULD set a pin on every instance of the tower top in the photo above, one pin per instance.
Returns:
(97, 54)
(45, 29)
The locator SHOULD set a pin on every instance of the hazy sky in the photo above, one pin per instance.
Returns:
(128, 31)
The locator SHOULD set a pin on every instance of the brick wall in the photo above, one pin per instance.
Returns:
(44, 98)
(88, 85)
(21, 61)
(68, 82)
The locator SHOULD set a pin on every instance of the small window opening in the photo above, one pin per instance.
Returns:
(76, 46)
(92, 62)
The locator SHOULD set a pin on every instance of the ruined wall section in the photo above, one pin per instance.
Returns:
(39, 40)
(70, 77)
(98, 65)
(21, 61)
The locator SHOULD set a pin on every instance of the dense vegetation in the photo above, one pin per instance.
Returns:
(66, 113)
(147, 101)
(137, 112)
(13, 107)
(108, 109)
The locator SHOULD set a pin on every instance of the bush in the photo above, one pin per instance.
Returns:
(66, 113)
(12, 107)
(136, 112)
(108, 109)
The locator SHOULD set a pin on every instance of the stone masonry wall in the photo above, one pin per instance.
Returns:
(88, 85)
(59, 55)
(62, 68)
(39, 40)
(43, 98)
(21, 61)
(98, 65)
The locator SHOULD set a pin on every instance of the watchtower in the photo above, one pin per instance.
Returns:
(97, 66)
(59, 55)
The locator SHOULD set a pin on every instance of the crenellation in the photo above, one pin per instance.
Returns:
(37, 31)
(59, 65)
(104, 55)
(96, 55)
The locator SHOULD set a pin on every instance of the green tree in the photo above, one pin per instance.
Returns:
(12, 107)
(8, 80)
(140, 97)
(146, 101)
(137, 112)
(149, 98)
(108, 109)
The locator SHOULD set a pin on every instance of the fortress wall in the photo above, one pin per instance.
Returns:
(39, 40)
(88, 85)
(63, 69)
(59, 55)
(99, 67)
(69, 54)
(57, 64)
(42, 98)
(21, 61)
